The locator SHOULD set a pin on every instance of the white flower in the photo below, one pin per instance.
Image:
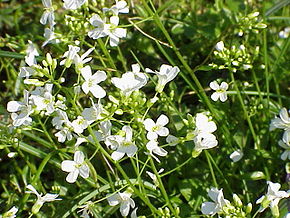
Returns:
(237, 155)
(130, 81)
(79, 61)
(43, 99)
(48, 14)
(172, 140)
(154, 177)
(92, 81)
(10, 213)
(41, 199)
(107, 29)
(75, 167)
(26, 72)
(153, 148)
(211, 208)
(119, 8)
(63, 134)
(221, 91)
(125, 201)
(166, 74)
(79, 124)
(93, 113)
(31, 52)
(284, 34)
(60, 120)
(282, 122)
(155, 129)
(50, 36)
(69, 55)
(24, 110)
(62, 123)
(125, 144)
(73, 4)
(285, 143)
(220, 46)
(272, 198)
(203, 124)
(204, 139)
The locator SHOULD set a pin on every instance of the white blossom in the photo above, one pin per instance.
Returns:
(31, 52)
(48, 14)
(285, 143)
(153, 148)
(79, 124)
(120, 7)
(237, 155)
(166, 74)
(284, 34)
(211, 208)
(104, 29)
(50, 36)
(24, 110)
(220, 46)
(93, 113)
(41, 199)
(125, 201)
(220, 91)
(204, 139)
(155, 129)
(26, 72)
(125, 144)
(73, 4)
(92, 81)
(75, 167)
(282, 122)
(130, 81)
(10, 213)
(272, 198)
(69, 55)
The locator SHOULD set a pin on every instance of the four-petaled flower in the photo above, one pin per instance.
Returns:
(220, 91)
(285, 143)
(107, 29)
(24, 110)
(41, 199)
(125, 201)
(282, 122)
(48, 14)
(153, 148)
(211, 208)
(130, 81)
(155, 129)
(124, 144)
(92, 81)
(120, 7)
(272, 198)
(75, 167)
(165, 75)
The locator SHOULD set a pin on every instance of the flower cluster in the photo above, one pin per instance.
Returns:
(234, 58)
(223, 207)
(250, 23)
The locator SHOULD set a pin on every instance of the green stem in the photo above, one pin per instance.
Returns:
(244, 110)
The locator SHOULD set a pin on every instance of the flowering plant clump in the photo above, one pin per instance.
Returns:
(144, 109)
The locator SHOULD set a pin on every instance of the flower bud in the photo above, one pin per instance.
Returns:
(237, 200)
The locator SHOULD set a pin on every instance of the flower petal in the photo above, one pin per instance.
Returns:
(162, 120)
(72, 176)
(68, 166)
(79, 157)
